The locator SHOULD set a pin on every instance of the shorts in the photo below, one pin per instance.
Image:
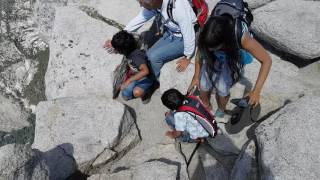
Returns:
(221, 80)
(144, 84)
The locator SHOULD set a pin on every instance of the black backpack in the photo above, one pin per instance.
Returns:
(239, 11)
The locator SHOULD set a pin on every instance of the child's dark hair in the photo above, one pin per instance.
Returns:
(124, 42)
(172, 99)
(218, 34)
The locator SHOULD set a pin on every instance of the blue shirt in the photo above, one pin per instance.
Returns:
(246, 57)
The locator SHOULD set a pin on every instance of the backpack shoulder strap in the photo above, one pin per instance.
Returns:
(170, 9)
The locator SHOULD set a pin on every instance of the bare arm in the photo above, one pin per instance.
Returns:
(255, 48)
(197, 72)
(184, 16)
(144, 71)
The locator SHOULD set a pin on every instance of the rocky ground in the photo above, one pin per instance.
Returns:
(58, 119)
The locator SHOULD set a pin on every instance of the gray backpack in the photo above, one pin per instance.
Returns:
(239, 11)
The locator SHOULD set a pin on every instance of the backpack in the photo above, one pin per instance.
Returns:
(200, 8)
(239, 11)
(194, 105)
(120, 75)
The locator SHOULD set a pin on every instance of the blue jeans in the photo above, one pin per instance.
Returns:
(167, 48)
(144, 84)
(185, 137)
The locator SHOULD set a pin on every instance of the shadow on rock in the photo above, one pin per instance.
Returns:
(238, 126)
(61, 163)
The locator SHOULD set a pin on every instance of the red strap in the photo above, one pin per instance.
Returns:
(202, 10)
(190, 109)
(198, 99)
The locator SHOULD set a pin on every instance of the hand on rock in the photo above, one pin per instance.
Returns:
(182, 64)
(108, 46)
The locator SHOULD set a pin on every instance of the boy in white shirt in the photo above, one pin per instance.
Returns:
(184, 124)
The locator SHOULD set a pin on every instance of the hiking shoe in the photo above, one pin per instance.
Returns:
(147, 96)
(235, 118)
(219, 113)
(241, 102)
(146, 101)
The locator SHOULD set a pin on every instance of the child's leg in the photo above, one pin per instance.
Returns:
(206, 87)
(170, 119)
(142, 86)
(222, 102)
(173, 134)
(223, 85)
(205, 98)
(127, 93)
(138, 92)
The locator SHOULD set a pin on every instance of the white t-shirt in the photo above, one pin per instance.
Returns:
(182, 13)
(186, 122)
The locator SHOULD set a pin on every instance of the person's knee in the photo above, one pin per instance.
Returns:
(138, 92)
(126, 95)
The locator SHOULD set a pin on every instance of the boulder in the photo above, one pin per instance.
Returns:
(310, 74)
(160, 154)
(16, 70)
(152, 170)
(290, 26)
(9, 54)
(16, 77)
(230, 143)
(78, 64)
(149, 120)
(83, 129)
(16, 23)
(215, 166)
(20, 162)
(246, 166)
(170, 78)
(59, 160)
(254, 4)
(117, 10)
(288, 141)
(44, 15)
(12, 116)
(281, 86)
(208, 164)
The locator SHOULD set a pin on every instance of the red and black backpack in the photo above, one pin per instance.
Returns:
(200, 8)
(194, 105)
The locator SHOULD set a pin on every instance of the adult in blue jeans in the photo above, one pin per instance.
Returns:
(178, 39)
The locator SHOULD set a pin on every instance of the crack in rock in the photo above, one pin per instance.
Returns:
(95, 14)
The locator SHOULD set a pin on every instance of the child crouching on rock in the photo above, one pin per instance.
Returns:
(189, 119)
(141, 81)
